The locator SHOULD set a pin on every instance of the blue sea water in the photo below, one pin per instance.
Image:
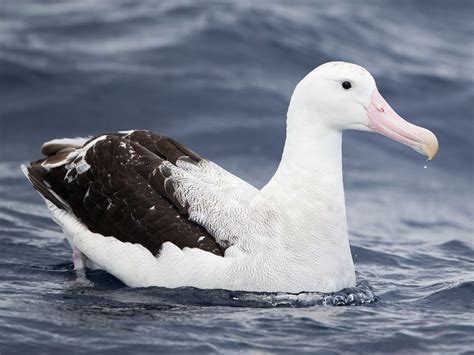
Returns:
(217, 76)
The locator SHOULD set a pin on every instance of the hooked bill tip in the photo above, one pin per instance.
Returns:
(431, 145)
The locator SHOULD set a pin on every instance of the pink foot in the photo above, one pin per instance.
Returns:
(77, 259)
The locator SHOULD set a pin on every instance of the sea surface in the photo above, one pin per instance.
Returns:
(217, 76)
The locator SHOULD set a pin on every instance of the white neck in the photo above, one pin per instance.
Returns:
(309, 179)
(307, 198)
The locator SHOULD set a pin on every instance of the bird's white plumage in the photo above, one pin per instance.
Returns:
(72, 142)
(217, 199)
(289, 236)
(174, 267)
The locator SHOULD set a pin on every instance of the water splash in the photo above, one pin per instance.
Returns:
(355, 296)
(362, 294)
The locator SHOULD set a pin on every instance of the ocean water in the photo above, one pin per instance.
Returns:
(217, 76)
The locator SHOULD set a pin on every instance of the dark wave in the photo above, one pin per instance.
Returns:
(458, 297)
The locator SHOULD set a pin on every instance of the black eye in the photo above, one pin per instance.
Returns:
(346, 85)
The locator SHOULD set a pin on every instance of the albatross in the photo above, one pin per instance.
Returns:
(152, 212)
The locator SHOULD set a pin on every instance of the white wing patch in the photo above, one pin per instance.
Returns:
(75, 162)
(73, 142)
(74, 159)
(127, 132)
(81, 167)
(216, 199)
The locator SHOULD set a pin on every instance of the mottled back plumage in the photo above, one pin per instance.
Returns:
(116, 188)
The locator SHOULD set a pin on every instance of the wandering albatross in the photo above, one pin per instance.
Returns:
(152, 212)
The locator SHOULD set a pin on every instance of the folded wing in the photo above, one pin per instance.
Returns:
(130, 186)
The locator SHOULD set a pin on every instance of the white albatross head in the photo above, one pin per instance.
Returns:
(342, 96)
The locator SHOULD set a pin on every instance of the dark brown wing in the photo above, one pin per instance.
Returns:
(116, 189)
